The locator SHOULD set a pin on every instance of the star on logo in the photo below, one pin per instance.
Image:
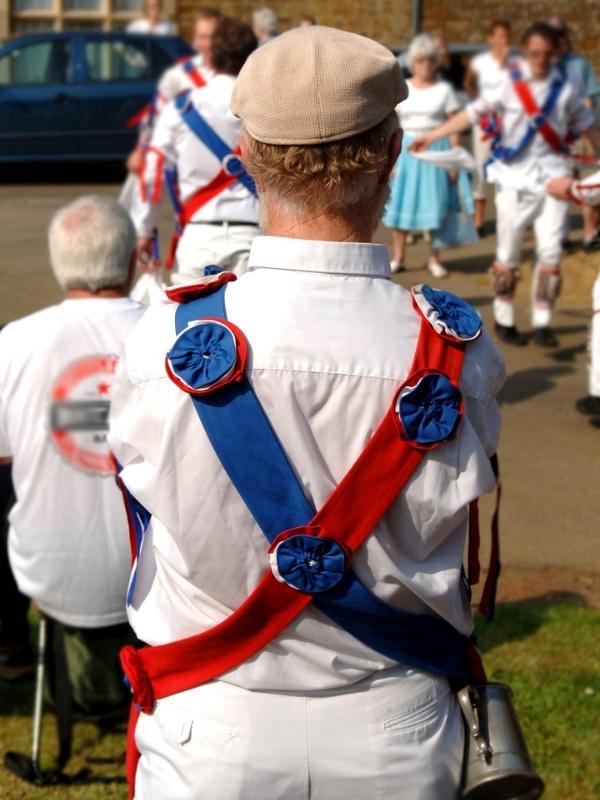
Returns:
(103, 388)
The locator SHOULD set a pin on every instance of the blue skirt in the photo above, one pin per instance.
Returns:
(420, 197)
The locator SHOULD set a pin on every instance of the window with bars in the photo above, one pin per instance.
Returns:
(58, 15)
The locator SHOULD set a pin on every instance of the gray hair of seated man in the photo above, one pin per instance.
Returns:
(91, 242)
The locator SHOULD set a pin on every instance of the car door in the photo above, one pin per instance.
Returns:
(39, 108)
(118, 84)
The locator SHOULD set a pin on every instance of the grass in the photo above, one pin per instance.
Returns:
(549, 652)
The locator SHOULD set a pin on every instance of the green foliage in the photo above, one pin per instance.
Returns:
(549, 653)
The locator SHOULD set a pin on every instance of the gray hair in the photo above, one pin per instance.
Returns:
(91, 242)
(265, 20)
(422, 46)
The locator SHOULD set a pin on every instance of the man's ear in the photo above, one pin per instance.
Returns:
(394, 149)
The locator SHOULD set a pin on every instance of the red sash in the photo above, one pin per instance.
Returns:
(348, 517)
(219, 183)
(534, 111)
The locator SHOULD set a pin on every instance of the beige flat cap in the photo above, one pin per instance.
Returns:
(315, 85)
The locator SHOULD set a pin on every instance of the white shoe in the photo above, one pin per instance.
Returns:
(397, 266)
(437, 270)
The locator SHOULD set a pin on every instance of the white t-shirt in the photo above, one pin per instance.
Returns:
(162, 28)
(331, 338)
(425, 109)
(490, 72)
(68, 539)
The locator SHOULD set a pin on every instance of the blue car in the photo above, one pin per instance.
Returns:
(75, 96)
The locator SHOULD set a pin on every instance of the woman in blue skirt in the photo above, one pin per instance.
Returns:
(420, 192)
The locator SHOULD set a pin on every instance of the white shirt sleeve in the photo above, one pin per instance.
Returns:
(160, 154)
(588, 190)
(451, 104)
(580, 117)
(5, 349)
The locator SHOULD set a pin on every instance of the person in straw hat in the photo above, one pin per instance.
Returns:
(300, 447)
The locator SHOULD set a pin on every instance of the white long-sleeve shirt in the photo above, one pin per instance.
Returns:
(331, 338)
(538, 162)
(174, 145)
(587, 191)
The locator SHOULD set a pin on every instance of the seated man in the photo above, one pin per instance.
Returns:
(330, 680)
(68, 539)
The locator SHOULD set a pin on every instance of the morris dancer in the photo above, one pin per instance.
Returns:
(187, 74)
(586, 192)
(539, 111)
(196, 137)
(271, 388)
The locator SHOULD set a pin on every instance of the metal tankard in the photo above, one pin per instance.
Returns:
(497, 765)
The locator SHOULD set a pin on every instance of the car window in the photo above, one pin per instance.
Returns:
(161, 60)
(35, 63)
(117, 60)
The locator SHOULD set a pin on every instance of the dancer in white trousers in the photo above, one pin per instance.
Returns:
(291, 371)
(586, 192)
(219, 212)
(538, 112)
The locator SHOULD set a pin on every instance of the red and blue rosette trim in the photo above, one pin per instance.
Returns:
(429, 409)
(450, 316)
(206, 356)
(306, 562)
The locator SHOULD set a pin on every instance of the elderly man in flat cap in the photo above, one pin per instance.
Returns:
(300, 448)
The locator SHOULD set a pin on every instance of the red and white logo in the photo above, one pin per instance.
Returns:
(79, 413)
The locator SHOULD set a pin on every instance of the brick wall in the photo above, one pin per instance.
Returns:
(389, 21)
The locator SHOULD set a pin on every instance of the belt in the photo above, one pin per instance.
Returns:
(222, 222)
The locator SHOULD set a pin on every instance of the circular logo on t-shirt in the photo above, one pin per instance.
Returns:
(79, 413)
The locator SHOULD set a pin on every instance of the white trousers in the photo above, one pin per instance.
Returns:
(226, 245)
(398, 734)
(482, 149)
(594, 377)
(516, 211)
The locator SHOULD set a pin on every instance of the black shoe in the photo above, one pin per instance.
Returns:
(509, 334)
(593, 244)
(17, 661)
(589, 405)
(544, 337)
(480, 231)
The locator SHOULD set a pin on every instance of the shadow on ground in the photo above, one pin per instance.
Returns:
(530, 382)
(519, 620)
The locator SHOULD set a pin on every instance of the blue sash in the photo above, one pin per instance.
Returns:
(230, 161)
(254, 460)
(503, 153)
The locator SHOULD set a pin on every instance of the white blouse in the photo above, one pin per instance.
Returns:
(425, 109)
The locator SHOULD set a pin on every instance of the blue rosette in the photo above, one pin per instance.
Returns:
(308, 564)
(205, 356)
(450, 316)
(429, 409)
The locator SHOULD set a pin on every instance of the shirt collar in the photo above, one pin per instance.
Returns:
(303, 255)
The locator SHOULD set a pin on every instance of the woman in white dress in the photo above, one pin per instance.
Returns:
(420, 192)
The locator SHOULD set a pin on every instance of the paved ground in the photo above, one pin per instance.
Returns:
(549, 454)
